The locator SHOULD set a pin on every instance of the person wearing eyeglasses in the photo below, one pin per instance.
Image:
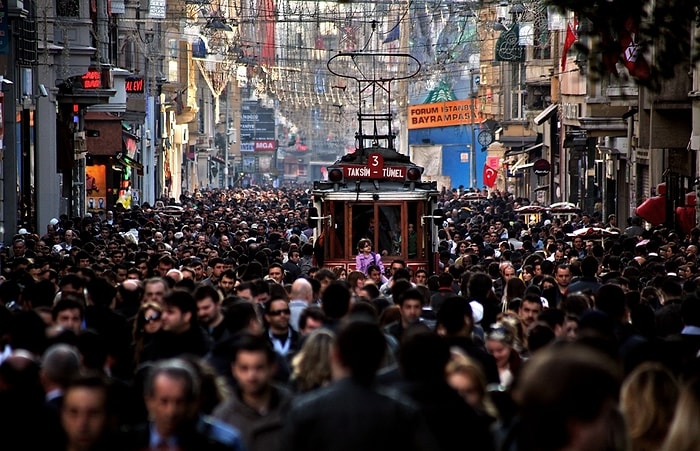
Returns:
(284, 339)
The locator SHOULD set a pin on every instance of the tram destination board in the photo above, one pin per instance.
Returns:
(364, 172)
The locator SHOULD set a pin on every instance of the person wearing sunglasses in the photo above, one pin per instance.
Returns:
(146, 324)
(284, 339)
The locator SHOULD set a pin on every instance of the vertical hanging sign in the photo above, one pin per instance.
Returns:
(4, 31)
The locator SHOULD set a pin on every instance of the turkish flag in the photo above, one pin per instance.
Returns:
(490, 175)
(569, 41)
(632, 55)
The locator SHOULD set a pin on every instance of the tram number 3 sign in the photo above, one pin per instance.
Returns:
(375, 161)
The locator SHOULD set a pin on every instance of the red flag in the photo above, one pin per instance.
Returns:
(632, 55)
(569, 41)
(490, 175)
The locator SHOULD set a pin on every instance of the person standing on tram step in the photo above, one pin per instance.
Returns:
(367, 257)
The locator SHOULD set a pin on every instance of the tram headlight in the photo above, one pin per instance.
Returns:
(335, 175)
(413, 174)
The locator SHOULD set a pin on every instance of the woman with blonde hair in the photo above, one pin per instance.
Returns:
(684, 433)
(465, 375)
(311, 367)
(647, 400)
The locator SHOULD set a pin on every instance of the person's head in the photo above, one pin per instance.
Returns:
(60, 363)
(562, 275)
(530, 308)
(567, 396)
(277, 315)
(326, 277)
(208, 301)
(507, 271)
(310, 319)
(86, 412)
(149, 318)
(466, 376)
(411, 306)
(335, 301)
(68, 313)
(421, 277)
(253, 365)
(276, 273)
(217, 266)
(165, 264)
(375, 274)
(423, 356)
(227, 281)
(611, 300)
(154, 290)
(358, 350)
(179, 311)
(500, 341)
(648, 401)
(364, 246)
(171, 392)
(302, 290)
(455, 317)
(683, 433)
(311, 365)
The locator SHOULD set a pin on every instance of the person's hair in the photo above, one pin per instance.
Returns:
(183, 301)
(324, 273)
(68, 302)
(253, 343)
(683, 433)
(515, 288)
(60, 363)
(335, 301)
(363, 242)
(455, 314)
(94, 381)
(311, 366)
(238, 315)
(174, 369)
(361, 347)
(313, 312)
(479, 286)
(411, 294)
(372, 291)
(139, 326)
(648, 400)
(338, 270)
(389, 315)
(560, 384)
(460, 363)
(423, 356)
(353, 277)
(611, 300)
(207, 291)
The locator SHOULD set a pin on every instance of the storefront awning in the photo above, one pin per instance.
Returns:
(546, 114)
(126, 161)
(517, 141)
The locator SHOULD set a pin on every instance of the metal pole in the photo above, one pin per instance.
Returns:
(227, 144)
(472, 153)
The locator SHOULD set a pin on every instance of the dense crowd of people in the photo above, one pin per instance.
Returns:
(212, 323)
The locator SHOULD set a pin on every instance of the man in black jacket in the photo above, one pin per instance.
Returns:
(350, 414)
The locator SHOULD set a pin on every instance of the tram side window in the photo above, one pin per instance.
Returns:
(362, 225)
(338, 232)
(414, 224)
(390, 230)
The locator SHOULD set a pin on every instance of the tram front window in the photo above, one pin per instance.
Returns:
(382, 225)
